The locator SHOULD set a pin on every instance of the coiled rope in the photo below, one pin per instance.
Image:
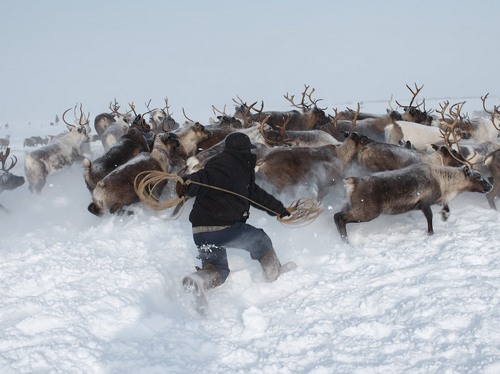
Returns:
(302, 211)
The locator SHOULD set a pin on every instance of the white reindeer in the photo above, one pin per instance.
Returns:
(60, 153)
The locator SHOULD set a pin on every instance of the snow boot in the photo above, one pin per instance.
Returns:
(199, 282)
(272, 267)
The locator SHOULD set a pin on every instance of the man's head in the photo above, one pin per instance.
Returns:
(238, 142)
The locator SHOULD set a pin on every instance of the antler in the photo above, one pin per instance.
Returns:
(390, 103)
(443, 107)
(168, 121)
(261, 127)
(147, 105)
(247, 108)
(356, 115)
(64, 119)
(223, 113)
(3, 159)
(114, 106)
(314, 102)
(189, 119)
(495, 112)
(82, 120)
(303, 105)
(449, 123)
(166, 107)
(132, 108)
(414, 93)
(334, 119)
(258, 112)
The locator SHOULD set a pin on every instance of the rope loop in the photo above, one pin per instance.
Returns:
(302, 212)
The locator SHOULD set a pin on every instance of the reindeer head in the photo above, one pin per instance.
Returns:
(476, 182)
(82, 127)
(412, 112)
(8, 181)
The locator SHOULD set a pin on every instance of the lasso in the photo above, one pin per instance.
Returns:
(302, 211)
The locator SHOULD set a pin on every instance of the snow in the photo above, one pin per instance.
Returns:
(82, 294)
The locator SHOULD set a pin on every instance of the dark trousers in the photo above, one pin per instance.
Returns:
(212, 245)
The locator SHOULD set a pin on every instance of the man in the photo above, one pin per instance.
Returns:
(219, 217)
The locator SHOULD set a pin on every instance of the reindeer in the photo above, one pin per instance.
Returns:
(60, 153)
(415, 187)
(310, 170)
(128, 146)
(378, 156)
(121, 126)
(310, 117)
(198, 161)
(161, 120)
(190, 135)
(264, 139)
(484, 129)
(374, 127)
(219, 130)
(412, 113)
(4, 142)
(492, 162)
(298, 138)
(104, 120)
(35, 141)
(416, 126)
(294, 138)
(116, 190)
(8, 181)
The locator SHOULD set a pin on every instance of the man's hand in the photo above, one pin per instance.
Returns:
(285, 213)
(179, 189)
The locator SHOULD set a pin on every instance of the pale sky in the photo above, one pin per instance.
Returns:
(203, 53)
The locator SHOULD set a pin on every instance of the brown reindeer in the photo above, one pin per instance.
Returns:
(413, 113)
(190, 135)
(264, 139)
(415, 187)
(116, 190)
(294, 138)
(309, 117)
(378, 156)
(375, 127)
(219, 130)
(127, 147)
(199, 160)
(307, 170)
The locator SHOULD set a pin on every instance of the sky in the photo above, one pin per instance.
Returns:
(55, 54)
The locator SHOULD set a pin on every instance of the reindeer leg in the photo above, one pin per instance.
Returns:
(445, 212)
(426, 209)
(490, 196)
(341, 222)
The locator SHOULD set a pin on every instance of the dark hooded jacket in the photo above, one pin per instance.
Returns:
(233, 171)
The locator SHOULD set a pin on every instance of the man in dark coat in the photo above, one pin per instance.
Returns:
(219, 218)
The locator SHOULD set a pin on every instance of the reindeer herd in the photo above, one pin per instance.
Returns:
(409, 158)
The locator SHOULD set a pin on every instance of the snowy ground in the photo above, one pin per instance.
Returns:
(81, 294)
